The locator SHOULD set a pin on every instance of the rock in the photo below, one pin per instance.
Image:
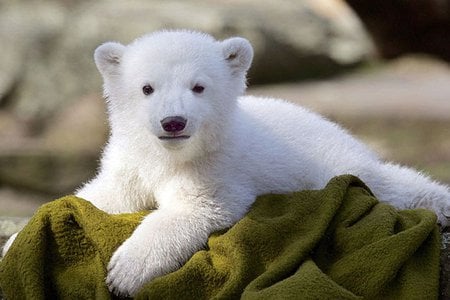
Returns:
(9, 226)
(396, 90)
(399, 27)
(62, 157)
(445, 265)
(58, 160)
(53, 173)
(15, 203)
(27, 30)
(80, 127)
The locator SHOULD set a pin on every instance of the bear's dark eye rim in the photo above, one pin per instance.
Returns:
(198, 89)
(147, 89)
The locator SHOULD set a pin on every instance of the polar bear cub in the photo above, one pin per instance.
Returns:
(186, 141)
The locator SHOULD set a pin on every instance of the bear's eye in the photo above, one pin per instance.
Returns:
(147, 89)
(198, 89)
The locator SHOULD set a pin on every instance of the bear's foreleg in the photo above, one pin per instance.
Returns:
(162, 243)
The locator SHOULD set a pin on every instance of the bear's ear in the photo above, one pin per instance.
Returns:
(238, 53)
(107, 58)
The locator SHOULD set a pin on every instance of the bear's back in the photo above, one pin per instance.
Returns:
(289, 139)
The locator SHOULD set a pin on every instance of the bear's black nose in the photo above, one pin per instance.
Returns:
(173, 124)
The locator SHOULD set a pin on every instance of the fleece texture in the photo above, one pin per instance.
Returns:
(334, 243)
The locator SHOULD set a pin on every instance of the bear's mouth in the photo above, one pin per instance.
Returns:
(174, 137)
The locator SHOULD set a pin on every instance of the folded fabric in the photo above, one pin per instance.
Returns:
(334, 243)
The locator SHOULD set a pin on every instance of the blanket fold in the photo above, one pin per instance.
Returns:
(334, 243)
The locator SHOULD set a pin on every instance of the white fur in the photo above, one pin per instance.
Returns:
(239, 147)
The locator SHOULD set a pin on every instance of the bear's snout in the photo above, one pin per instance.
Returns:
(173, 124)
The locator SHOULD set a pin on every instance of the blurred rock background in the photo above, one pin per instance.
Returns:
(379, 69)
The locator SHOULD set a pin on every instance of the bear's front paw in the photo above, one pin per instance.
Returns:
(131, 266)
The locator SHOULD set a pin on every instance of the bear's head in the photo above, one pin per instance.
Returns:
(177, 89)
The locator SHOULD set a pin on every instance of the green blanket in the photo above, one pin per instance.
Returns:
(334, 243)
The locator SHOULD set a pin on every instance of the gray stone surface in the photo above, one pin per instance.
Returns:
(445, 265)
(9, 226)
(414, 87)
